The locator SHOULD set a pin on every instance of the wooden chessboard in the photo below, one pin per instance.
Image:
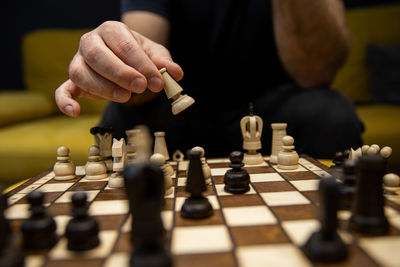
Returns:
(264, 227)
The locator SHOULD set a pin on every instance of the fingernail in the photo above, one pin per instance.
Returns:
(138, 85)
(155, 83)
(120, 94)
(68, 109)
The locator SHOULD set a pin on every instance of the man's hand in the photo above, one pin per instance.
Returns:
(111, 63)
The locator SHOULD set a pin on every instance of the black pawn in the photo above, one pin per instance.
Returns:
(325, 245)
(338, 160)
(348, 185)
(368, 214)
(196, 206)
(237, 179)
(39, 230)
(82, 230)
(10, 255)
(145, 190)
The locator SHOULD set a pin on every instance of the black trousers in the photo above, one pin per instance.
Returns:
(322, 121)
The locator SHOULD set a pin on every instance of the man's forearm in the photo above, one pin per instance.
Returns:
(312, 38)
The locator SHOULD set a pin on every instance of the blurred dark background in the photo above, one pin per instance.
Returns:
(20, 17)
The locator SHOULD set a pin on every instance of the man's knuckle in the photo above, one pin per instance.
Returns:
(75, 73)
(126, 47)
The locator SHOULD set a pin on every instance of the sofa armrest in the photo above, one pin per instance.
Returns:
(18, 106)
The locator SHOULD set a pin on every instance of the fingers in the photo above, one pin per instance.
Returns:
(65, 98)
(102, 60)
(94, 84)
(126, 47)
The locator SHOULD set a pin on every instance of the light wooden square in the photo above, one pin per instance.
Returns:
(218, 171)
(200, 239)
(284, 198)
(253, 215)
(29, 189)
(257, 165)
(384, 250)
(306, 185)
(172, 195)
(299, 231)
(109, 207)
(167, 217)
(271, 255)
(118, 259)
(15, 198)
(18, 211)
(182, 181)
(298, 169)
(265, 177)
(55, 187)
(34, 260)
(61, 222)
(107, 241)
(44, 179)
(183, 165)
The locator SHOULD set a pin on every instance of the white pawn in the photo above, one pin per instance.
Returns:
(206, 168)
(95, 168)
(386, 152)
(373, 150)
(391, 183)
(63, 169)
(364, 149)
(288, 158)
(159, 159)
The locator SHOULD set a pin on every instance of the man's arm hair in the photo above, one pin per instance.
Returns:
(312, 39)
(151, 25)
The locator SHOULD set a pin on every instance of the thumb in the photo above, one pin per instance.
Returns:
(65, 96)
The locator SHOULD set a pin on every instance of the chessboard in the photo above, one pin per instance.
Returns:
(266, 226)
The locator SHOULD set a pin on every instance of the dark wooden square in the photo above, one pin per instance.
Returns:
(88, 186)
(293, 176)
(240, 200)
(297, 212)
(216, 218)
(265, 187)
(257, 235)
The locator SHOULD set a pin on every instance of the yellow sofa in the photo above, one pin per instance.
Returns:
(31, 127)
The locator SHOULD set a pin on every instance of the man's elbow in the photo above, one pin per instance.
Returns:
(323, 71)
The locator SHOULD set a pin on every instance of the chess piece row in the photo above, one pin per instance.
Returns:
(362, 194)
(39, 229)
(374, 149)
(282, 151)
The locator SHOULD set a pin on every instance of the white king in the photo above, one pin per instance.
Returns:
(251, 127)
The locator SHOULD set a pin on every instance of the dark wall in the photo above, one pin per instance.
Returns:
(20, 17)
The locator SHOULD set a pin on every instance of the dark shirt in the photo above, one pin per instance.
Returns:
(225, 47)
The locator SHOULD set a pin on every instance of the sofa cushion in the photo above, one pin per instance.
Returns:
(18, 106)
(384, 66)
(29, 148)
(46, 56)
(378, 25)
